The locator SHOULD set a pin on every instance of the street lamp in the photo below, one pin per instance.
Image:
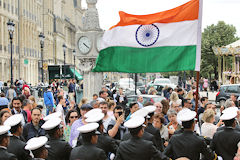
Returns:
(74, 55)
(42, 37)
(64, 62)
(10, 26)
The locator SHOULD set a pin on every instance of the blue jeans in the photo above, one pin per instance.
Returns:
(49, 109)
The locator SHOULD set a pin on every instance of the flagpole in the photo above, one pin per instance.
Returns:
(135, 83)
(196, 102)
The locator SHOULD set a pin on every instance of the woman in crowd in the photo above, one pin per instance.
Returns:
(71, 117)
(166, 106)
(174, 97)
(111, 106)
(173, 124)
(208, 128)
(4, 114)
(26, 92)
(33, 101)
(158, 123)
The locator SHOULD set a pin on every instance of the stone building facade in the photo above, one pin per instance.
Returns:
(57, 19)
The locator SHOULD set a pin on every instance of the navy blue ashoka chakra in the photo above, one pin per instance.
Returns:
(147, 35)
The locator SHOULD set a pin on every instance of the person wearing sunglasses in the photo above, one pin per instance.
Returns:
(71, 117)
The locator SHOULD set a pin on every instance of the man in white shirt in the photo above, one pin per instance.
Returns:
(59, 107)
(106, 119)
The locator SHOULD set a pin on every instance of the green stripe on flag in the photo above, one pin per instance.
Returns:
(146, 60)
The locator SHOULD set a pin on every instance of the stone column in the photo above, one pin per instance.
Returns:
(92, 81)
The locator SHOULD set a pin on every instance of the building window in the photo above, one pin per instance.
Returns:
(0, 47)
(0, 2)
(16, 11)
(8, 7)
(4, 5)
(12, 10)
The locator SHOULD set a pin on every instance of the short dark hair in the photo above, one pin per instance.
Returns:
(2, 137)
(95, 95)
(16, 99)
(229, 123)
(22, 97)
(39, 106)
(2, 95)
(101, 92)
(118, 107)
(86, 137)
(132, 104)
(48, 87)
(169, 89)
(203, 99)
(15, 128)
(59, 97)
(38, 152)
(185, 101)
(134, 131)
(179, 89)
(36, 108)
(103, 103)
(187, 124)
(52, 132)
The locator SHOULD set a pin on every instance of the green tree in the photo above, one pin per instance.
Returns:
(221, 34)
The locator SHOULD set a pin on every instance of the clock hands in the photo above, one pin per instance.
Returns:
(86, 45)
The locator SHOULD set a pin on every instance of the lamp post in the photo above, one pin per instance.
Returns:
(64, 59)
(74, 55)
(10, 26)
(42, 37)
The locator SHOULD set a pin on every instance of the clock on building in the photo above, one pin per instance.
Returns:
(84, 45)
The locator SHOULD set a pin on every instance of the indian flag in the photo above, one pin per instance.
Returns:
(160, 42)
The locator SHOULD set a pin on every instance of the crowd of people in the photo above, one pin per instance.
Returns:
(108, 127)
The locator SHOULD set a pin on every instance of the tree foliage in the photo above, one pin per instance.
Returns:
(221, 34)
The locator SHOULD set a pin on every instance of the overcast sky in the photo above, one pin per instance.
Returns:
(213, 10)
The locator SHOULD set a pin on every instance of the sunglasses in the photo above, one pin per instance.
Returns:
(73, 117)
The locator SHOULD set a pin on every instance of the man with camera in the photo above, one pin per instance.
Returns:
(115, 127)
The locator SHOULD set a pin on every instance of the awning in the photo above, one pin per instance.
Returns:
(78, 76)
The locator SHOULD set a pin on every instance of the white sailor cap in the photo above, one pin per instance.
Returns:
(89, 128)
(135, 122)
(143, 112)
(54, 122)
(228, 115)
(14, 120)
(92, 112)
(151, 109)
(52, 115)
(4, 129)
(230, 109)
(36, 143)
(186, 115)
(95, 118)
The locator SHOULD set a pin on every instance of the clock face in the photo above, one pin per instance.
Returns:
(84, 44)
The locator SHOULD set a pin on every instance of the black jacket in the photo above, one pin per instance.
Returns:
(87, 152)
(59, 149)
(16, 146)
(225, 142)
(138, 149)
(188, 144)
(4, 155)
(29, 131)
(157, 137)
(104, 142)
